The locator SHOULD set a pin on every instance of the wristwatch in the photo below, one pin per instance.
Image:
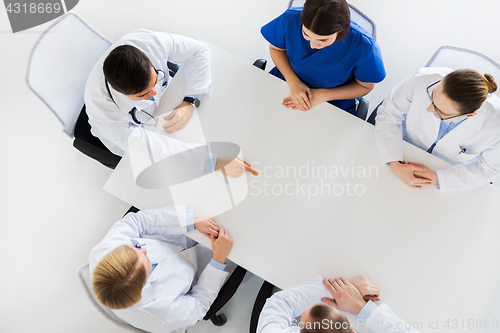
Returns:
(195, 102)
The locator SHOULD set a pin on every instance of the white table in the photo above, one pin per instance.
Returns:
(434, 255)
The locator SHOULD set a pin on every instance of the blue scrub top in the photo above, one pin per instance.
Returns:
(357, 55)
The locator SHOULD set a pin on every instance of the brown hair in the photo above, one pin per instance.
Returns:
(326, 17)
(336, 322)
(468, 88)
(127, 69)
(118, 278)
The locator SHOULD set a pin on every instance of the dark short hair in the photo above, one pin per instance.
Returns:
(468, 89)
(326, 17)
(127, 69)
(337, 322)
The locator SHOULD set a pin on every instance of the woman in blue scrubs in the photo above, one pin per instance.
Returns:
(323, 56)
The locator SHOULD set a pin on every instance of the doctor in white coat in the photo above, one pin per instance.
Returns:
(109, 110)
(160, 285)
(449, 114)
(126, 86)
(312, 301)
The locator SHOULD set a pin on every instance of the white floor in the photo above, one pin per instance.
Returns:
(54, 208)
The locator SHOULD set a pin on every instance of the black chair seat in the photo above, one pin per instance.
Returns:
(90, 145)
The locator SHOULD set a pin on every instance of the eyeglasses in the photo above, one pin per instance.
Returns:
(438, 113)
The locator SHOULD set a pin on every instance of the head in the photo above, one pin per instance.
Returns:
(129, 71)
(462, 92)
(325, 21)
(322, 318)
(119, 277)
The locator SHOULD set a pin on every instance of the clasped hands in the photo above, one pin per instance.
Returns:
(414, 174)
(350, 295)
(222, 242)
(302, 97)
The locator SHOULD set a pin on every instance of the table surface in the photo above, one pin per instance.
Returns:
(325, 204)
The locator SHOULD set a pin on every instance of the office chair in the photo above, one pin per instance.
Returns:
(369, 26)
(226, 292)
(456, 58)
(266, 291)
(84, 275)
(58, 68)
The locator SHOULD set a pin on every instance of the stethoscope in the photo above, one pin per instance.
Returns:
(133, 112)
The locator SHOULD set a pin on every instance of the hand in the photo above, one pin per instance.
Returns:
(300, 94)
(206, 225)
(221, 246)
(406, 171)
(366, 287)
(345, 296)
(179, 117)
(427, 174)
(234, 168)
(317, 96)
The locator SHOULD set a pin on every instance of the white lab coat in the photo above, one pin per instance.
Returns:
(182, 287)
(281, 311)
(403, 116)
(113, 124)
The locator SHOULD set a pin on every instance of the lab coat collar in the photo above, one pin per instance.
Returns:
(177, 270)
(472, 123)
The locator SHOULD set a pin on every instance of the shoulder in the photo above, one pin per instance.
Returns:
(358, 37)
(290, 17)
(431, 74)
(143, 39)
(492, 108)
(360, 43)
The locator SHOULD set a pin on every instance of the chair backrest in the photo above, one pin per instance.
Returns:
(356, 16)
(456, 57)
(84, 275)
(60, 64)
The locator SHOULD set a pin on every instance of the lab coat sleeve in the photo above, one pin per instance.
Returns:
(193, 56)
(160, 221)
(144, 144)
(389, 121)
(384, 320)
(280, 311)
(187, 309)
(473, 174)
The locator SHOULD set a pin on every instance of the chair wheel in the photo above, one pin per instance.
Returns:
(218, 320)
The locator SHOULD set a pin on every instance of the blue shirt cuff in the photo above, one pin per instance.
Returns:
(210, 161)
(366, 311)
(190, 219)
(217, 264)
(197, 96)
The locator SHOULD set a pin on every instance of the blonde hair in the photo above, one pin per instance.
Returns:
(118, 278)
(337, 322)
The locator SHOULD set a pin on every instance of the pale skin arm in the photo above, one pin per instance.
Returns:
(345, 296)
(179, 117)
(353, 89)
(300, 93)
(221, 245)
(366, 287)
(427, 174)
(302, 97)
(413, 174)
